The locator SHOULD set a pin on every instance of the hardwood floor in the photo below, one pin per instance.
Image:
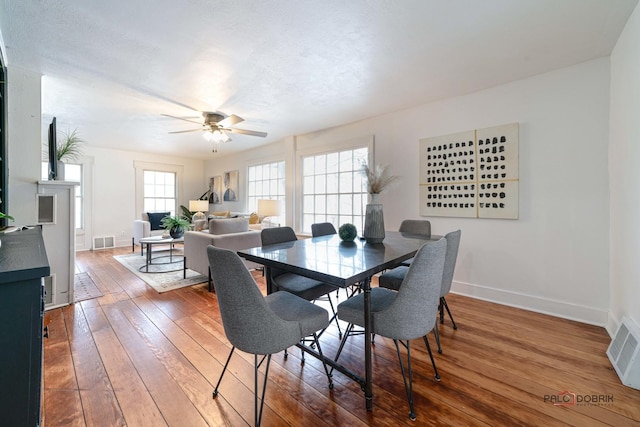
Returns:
(138, 358)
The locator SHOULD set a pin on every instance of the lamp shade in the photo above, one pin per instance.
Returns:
(267, 207)
(198, 205)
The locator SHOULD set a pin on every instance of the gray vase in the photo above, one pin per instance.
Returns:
(374, 221)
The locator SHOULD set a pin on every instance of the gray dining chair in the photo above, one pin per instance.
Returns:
(393, 279)
(322, 229)
(404, 315)
(256, 324)
(415, 226)
(304, 287)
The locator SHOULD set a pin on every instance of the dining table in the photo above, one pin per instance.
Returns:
(341, 264)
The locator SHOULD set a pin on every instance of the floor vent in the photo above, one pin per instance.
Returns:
(624, 353)
(104, 242)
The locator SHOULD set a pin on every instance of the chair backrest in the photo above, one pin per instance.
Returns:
(322, 229)
(453, 243)
(272, 236)
(249, 323)
(415, 226)
(413, 312)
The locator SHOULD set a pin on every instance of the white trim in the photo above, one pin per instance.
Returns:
(579, 313)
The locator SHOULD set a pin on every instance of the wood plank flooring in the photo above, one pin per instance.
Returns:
(134, 357)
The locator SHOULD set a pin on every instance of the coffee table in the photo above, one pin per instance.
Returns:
(149, 242)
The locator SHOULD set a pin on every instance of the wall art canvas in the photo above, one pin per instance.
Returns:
(230, 181)
(215, 188)
(471, 174)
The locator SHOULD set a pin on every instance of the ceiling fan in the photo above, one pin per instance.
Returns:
(215, 127)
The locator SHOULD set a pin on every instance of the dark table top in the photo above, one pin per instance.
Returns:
(330, 260)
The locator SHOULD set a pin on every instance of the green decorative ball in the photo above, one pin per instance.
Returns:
(347, 232)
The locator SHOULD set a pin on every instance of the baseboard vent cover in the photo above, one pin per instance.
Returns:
(104, 242)
(624, 353)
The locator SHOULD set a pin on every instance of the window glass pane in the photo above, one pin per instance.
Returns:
(264, 183)
(333, 188)
(159, 191)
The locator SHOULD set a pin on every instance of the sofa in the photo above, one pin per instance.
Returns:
(229, 233)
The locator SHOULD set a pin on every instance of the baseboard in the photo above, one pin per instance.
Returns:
(551, 307)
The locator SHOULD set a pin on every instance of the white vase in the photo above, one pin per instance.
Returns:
(374, 221)
(59, 170)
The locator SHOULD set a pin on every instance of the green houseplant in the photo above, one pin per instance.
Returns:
(69, 146)
(175, 224)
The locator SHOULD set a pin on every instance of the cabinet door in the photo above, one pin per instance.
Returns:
(21, 316)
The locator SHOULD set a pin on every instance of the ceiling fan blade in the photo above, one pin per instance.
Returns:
(230, 121)
(185, 131)
(186, 119)
(247, 132)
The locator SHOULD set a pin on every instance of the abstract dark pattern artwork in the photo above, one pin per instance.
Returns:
(470, 174)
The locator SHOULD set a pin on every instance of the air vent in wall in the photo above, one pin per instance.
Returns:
(104, 242)
(624, 353)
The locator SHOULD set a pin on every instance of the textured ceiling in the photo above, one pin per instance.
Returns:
(111, 68)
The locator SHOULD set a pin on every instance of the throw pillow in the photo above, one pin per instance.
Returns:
(254, 218)
(155, 218)
(224, 214)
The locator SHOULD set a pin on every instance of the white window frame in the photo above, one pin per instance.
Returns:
(279, 194)
(362, 142)
(140, 167)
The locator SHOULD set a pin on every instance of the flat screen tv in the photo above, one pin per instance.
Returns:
(53, 151)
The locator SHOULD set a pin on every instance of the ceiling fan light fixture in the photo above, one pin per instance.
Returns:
(216, 136)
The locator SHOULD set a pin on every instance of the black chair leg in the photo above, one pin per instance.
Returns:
(436, 333)
(215, 390)
(433, 362)
(408, 387)
(258, 415)
(441, 310)
(444, 302)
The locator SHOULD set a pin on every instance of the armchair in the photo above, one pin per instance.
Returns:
(147, 227)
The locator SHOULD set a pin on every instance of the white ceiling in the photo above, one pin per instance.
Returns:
(288, 67)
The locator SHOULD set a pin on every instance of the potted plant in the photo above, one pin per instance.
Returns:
(175, 224)
(69, 148)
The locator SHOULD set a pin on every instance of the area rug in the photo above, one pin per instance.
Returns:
(163, 281)
(85, 288)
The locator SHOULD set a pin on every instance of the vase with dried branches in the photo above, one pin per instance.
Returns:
(378, 178)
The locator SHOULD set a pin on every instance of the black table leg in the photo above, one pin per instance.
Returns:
(368, 371)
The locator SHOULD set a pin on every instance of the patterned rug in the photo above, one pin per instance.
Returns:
(85, 288)
(161, 280)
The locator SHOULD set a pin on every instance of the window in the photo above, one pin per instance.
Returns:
(159, 191)
(73, 172)
(333, 188)
(266, 181)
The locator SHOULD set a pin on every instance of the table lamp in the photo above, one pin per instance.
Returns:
(268, 208)
(198, 206)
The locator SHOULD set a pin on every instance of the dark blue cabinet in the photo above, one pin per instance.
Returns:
(23, 264)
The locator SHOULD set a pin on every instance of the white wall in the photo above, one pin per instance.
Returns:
(624, 169)
(114, 193)
(555, 258)
(24, 146)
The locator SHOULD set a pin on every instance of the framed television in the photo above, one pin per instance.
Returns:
(53, 151)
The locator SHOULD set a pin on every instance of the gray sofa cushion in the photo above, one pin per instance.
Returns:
(229, 225)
